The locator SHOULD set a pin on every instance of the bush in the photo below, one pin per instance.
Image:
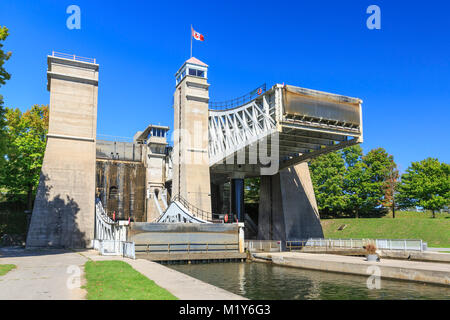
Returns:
(13, 222)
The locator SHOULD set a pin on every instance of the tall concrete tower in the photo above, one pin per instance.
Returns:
(191, 178)
(64, 209)
(154, 158)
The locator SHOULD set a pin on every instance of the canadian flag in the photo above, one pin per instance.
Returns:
(197, 36)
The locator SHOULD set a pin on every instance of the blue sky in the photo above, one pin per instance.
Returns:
(401, 72)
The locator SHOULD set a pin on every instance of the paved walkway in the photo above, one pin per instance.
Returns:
(58, 275)
(41, 275)
(179, 284)
(438, 249)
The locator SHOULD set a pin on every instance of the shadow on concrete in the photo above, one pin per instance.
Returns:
(54, 220)
(307, 223)
(19, 251)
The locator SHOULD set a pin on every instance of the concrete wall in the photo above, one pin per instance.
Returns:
(287, 206)
(120, 185)
(63, 213)
(144, 233)
(119, 150)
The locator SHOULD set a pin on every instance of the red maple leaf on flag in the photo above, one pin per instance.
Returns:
(197, 36)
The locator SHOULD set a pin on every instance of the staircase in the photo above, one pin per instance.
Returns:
(111, 236)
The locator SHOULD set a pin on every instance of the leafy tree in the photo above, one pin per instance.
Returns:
(4, 56)
(25, 134)
(4, 76)
(327, 175)
(354, 179)
(426, 184)
(390, 189)
(251, 190)
(349, 182)
(378, 165)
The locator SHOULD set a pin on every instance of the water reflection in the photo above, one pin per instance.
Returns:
(266, 281)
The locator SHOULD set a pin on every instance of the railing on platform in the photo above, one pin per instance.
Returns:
(385, 244)
(186, 247)
(72, 57)
(129, 250)
(233, 103)
(263, 245)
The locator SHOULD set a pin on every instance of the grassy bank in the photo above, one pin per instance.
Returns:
(117, 280)
(406, 225)
(5, 268)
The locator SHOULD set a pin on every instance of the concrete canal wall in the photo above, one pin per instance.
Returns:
(429, 272)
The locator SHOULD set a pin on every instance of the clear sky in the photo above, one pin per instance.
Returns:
(401, 72)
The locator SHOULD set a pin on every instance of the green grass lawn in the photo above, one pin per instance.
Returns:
(117, 280)
(418, 215)
(406, 225)
(5, 268)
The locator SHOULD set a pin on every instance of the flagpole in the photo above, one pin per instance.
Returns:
(191, 40)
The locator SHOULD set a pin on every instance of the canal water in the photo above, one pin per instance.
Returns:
(255, 280)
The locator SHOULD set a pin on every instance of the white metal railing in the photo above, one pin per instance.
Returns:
(385, 244)
(263, 245)
(233, 129)
(111, 236)
(129, 250)
(72, 57)
(106, 228)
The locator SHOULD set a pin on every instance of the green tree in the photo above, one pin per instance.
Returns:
(390, 189)
(4, 76)
(378, 165)
(365, 178)
(251, 190)
(327, 175)
(354, 180)
(348, 181)
(26, 139)
(426, 184)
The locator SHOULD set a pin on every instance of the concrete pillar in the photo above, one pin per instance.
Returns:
(64, 209)
(287, 207)
(237, 199)
(191, 177)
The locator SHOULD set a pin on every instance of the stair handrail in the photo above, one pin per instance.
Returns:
(197, 212)
(105, 227)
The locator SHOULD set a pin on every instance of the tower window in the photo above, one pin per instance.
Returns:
(197, 73)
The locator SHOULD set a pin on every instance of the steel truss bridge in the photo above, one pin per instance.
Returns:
(297, 123)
